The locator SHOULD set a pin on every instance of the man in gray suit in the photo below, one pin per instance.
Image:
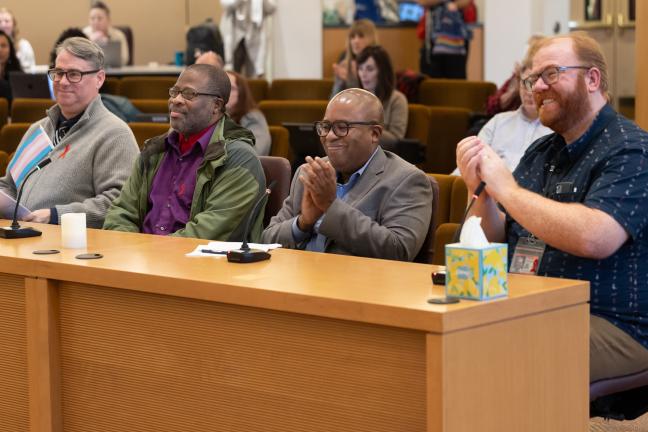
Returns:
(360, 200)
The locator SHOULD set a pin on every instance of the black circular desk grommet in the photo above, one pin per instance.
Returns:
(87, 256)
(46, 252)
(443, 300)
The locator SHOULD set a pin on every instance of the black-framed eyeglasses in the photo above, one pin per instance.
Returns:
(188, 93)
(72, 75)
(550, 75)
(340, 127)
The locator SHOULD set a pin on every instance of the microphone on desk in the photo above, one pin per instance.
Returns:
(15, 231)
(475, 195)
(245, 254)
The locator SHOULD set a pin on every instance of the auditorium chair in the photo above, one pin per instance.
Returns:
(280, 142)
(144, 131)
(622, 398)
(448, 126)
(128, 33)
(444, 234)
(259, 89)
(4, 111)
(458, 200)
(418, 123)
(146, 87)
(453, 199)
(279, 112)
(278, 169)
(301, 89)
(471, 95)
(445, 182)
(29, 110)
(4, 161)
(426, 254)
(10, 136)
(111, 86)
(151, 105)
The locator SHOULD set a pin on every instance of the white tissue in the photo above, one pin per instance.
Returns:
(472, 234)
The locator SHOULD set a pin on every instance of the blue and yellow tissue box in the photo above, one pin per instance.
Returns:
(476, 273)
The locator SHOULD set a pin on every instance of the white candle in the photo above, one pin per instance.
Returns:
(73, 230)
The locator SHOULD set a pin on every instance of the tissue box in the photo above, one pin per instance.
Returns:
(476, 273)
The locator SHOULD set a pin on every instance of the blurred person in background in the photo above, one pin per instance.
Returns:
(376, 74)
(241, 107)
(361, 35)
(101, 31)
(24, 50)
(8, 63)
(244, 29)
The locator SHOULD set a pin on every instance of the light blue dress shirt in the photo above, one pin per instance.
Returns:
(318, 241)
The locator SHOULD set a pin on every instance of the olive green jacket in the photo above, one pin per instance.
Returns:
(228, 182)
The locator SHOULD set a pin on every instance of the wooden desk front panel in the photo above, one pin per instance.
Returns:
(528, 374)
(14, 385)
(147, 362)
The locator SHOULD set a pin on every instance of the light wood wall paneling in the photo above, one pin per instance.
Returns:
(14, 387)
(159, 27)
(43, 355)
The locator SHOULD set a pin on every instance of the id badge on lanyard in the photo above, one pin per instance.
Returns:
(527, 255)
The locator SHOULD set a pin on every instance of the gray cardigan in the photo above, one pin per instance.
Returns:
(88, 169)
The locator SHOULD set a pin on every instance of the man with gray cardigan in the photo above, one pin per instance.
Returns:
(94, 150)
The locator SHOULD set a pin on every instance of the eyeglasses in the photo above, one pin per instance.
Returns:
(550, 75)
(188, 93)
(340, 127)
(72, 75)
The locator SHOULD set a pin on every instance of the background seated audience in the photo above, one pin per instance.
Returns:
(511, 133)
(361, 35)
(94, 150)
(8, 63)
(24, 50)
(360, 200)
(101, 31)
(376, 74)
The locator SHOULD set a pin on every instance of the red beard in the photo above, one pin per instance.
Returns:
(572, 107)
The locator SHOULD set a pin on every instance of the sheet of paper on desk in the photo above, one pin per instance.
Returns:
(7, 206)
(219, 248)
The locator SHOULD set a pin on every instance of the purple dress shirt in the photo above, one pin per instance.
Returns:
(169, 201)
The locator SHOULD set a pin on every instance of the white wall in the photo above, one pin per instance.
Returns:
(508, 25)
(296, 50)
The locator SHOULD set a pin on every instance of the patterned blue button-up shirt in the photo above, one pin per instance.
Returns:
(605, 169)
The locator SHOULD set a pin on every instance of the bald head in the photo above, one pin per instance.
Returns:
(363, 113)
(366, 103)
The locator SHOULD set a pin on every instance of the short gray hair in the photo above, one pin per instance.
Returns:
(84, 49)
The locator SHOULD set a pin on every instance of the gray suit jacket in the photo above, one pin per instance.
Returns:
(385, 215)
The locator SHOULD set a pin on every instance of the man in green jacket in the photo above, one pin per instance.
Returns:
(202, 178)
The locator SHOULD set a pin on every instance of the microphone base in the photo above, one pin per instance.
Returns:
(16, 233)
(247, 256)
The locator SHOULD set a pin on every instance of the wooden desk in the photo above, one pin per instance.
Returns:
(146, 339)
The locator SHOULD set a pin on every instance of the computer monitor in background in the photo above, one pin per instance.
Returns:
(112, 54)
(27, 85)
(410, 11)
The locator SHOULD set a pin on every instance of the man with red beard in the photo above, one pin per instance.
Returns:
(202, 178)
(577, 202)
